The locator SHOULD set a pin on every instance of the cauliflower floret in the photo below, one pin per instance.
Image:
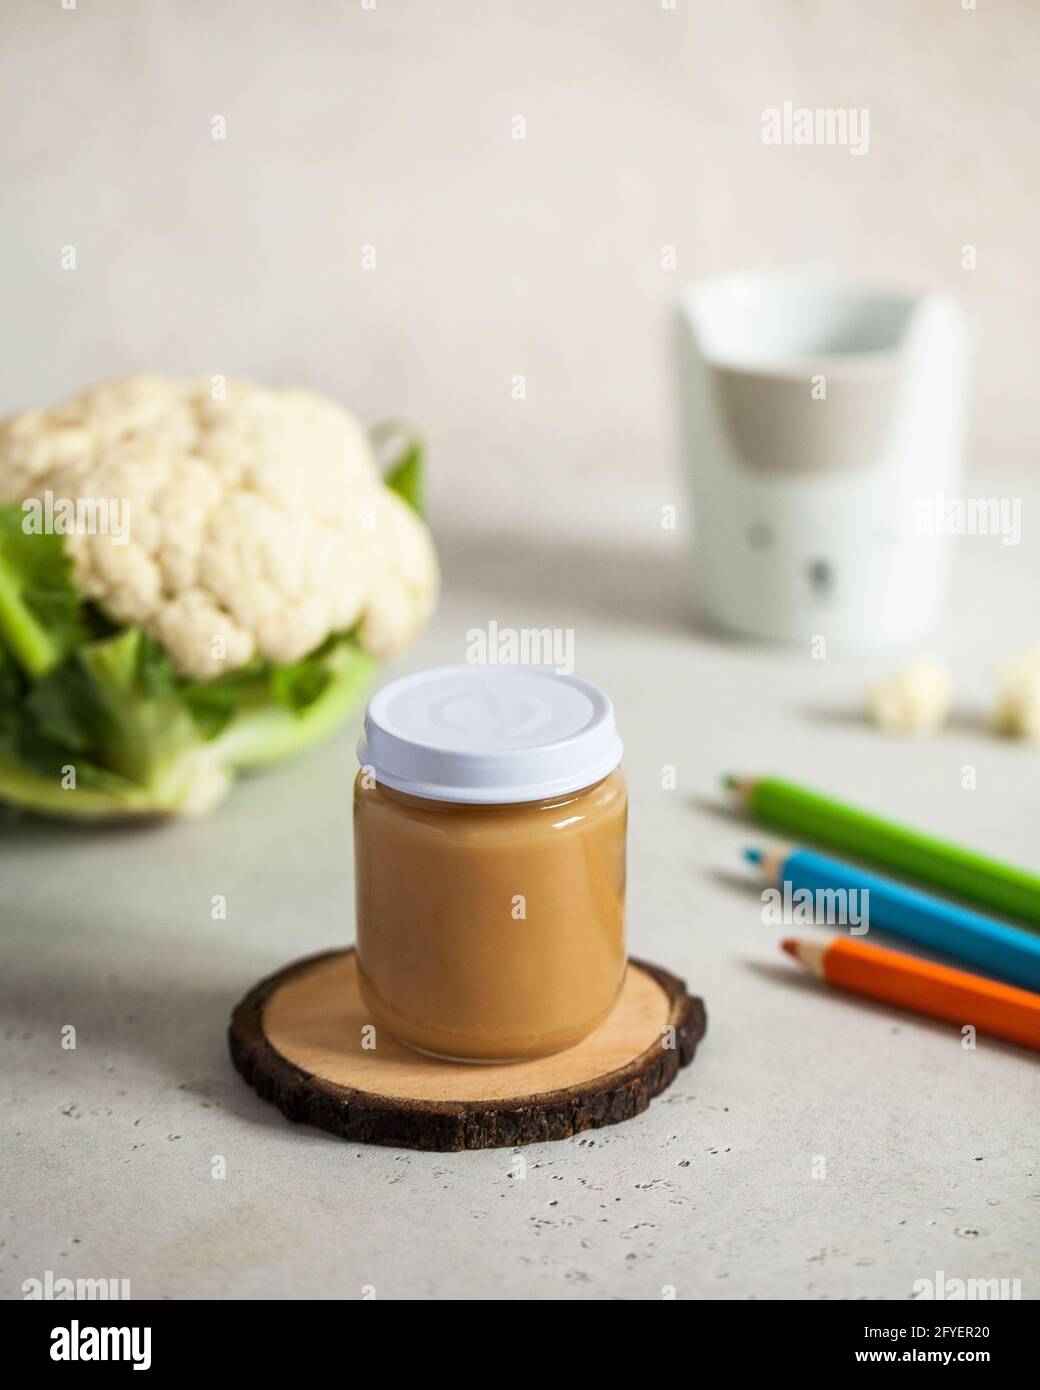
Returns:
(258, 522)
(392, 618)
(193, 623)
(914, 700)
(1017, 711)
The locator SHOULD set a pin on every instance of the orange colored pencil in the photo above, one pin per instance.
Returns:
(921, 985)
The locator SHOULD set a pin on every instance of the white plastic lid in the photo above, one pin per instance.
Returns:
(490, 734)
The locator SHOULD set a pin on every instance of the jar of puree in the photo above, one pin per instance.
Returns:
(489, 840)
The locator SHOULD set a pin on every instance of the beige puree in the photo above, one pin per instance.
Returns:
(490, 932)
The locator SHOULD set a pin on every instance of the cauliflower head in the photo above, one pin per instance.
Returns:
(257, 523)
(194, 582)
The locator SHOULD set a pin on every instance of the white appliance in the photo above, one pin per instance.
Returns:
(822, 421)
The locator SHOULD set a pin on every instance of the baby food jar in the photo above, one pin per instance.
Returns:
(489, 840)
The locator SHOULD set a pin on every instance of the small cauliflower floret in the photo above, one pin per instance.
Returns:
(914, 700)
(390, 621)
(123, 579)
(256, 516)
(201, 639)
(294, 629)
(402, 600)
(1017, 711)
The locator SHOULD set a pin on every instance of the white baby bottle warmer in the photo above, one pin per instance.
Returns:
(823, 428)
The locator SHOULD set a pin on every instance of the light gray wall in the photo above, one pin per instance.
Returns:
(392, 127)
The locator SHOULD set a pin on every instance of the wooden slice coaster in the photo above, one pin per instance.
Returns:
(297, 1039)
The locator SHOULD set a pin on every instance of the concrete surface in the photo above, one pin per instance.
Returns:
(930, 1152)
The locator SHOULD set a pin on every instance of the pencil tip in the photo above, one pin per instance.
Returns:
(790, 945)
(753, 856)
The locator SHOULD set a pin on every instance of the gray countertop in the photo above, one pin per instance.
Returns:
(930, 1151)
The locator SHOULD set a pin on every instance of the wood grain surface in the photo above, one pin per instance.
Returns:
(303, 1041)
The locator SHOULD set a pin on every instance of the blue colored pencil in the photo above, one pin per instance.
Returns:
(994, 947)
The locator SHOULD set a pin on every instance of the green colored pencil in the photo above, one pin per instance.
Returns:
(952, 868)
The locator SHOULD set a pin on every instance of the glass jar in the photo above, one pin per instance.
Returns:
(489, 834)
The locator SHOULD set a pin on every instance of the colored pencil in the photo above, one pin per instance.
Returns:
(952, 868)
(923, 986)
(993, 947)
